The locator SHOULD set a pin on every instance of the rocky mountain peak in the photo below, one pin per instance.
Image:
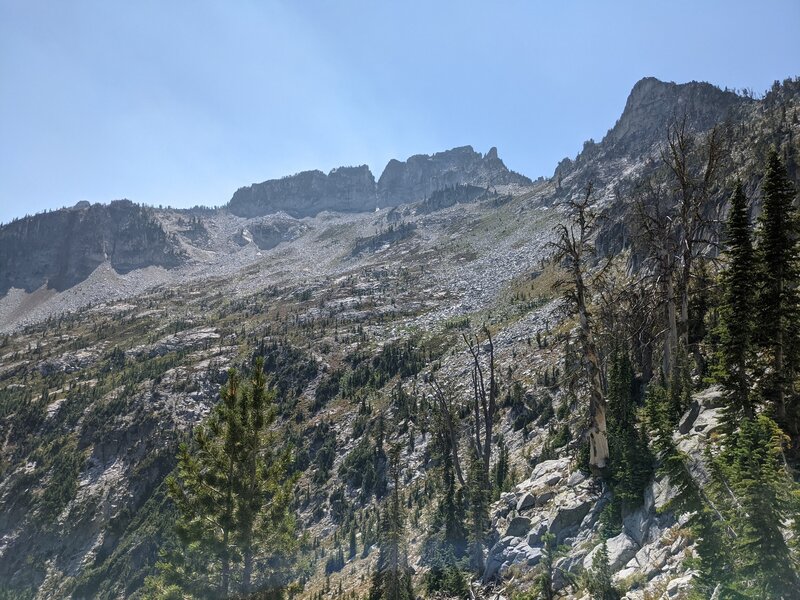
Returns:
(61, 248)
(344, 189)
(652, 104)
(421, 175)
(353, 189)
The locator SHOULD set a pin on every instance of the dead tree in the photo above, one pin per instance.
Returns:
(574, 249)
(444, 401)
(484, 405)
(656, 225)
(627, 310)
(694, 166)
(675, 228)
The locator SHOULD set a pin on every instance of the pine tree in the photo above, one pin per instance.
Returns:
(233, 496)
(544, 578)
(477, 512)
(756, 494)
(631, 460)
(500, 472)
(446, 543)
(599, 583)
(392, 577)
(353, 548)
(705, 519)
(737, 311)
(779, 317)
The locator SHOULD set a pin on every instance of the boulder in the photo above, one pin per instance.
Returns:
(569, 514)
(525, 502)
(711, 397)
(576, 478)
(679, 585)
(621, 549)
(507, 552)
(637, 524)
(518, 527)
(536, 533)
(545, 470)
(658, 494)
(545, 497)
(650, 559)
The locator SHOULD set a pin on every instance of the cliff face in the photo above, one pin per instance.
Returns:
(353, 189)
(421, 175)
(63, 247)
(651, 106)
(346, 189)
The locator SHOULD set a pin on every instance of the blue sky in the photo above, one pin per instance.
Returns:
(180, 103)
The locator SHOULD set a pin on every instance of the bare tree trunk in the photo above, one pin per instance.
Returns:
(247, 570)
(598, 438)
(671, 330)
(226, 566)
(780, 396)
(226, 556)
(484, 402)
(446, 410)
(573, 246)
(695, 171)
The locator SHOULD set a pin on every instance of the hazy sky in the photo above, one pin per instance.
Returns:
(180, 103)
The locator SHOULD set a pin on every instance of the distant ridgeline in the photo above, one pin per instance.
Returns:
(353, 189)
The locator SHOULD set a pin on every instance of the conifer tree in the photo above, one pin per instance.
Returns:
(779, 315)
(233, 497)
(705, 518)
(599, 583)
(631, 460)
(392, 577)
(737, 310)
(353, 548)
(757, 496)
(446, 543)
(477, 512)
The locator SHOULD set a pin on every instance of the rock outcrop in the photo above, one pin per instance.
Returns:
(268, 233)
(651, 106)
(353, 189)
(63, 247)
(555, 499)
(346, 189)
(421, 175)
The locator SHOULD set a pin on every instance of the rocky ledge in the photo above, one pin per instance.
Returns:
(645, 556)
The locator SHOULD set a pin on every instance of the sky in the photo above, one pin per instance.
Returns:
(180, 103)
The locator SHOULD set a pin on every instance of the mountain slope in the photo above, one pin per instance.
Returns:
(101, 381)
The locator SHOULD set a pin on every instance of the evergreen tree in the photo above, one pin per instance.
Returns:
(631, 460)
(392, 577)
(233, 497)
(353, 548)
(501, 472)
(599, 583)
(544, 578)
(756, 494)
(478, 511)
(737, 311)
(779, 316)
(446, 543)
(704, 520)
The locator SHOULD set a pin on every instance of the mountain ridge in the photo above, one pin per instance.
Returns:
(355, 313)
